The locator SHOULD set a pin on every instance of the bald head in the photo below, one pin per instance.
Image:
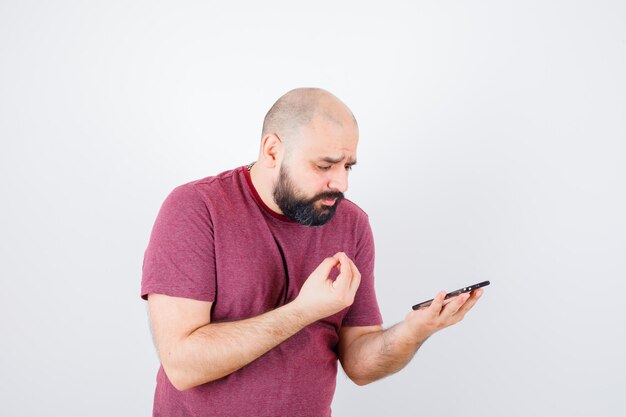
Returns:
(298, 108)
(308, 147)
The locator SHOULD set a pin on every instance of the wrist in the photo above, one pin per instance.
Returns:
(300, 312)
(411, 335)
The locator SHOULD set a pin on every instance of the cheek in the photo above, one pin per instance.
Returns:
(317, 182)
(309, 183)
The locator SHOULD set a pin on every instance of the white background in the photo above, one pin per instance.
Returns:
(492, 147)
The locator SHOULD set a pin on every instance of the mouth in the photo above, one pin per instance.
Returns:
(329, 201)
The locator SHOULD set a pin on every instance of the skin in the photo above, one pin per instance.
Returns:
(319, 156)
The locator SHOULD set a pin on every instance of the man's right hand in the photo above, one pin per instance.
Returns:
(320, 296)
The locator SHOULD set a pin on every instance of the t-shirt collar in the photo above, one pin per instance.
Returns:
(260, 201)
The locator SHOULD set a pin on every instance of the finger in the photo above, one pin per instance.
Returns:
(356, 278)
(467, 306)
(457, 302)
(325, 267)
(437, 303)
(342, 282)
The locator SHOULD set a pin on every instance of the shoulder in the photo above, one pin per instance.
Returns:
(351, 210)
(200, 191)
(224, 180)
(351, 217)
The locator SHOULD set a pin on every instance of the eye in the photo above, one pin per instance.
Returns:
(323, 168)
(348, 167)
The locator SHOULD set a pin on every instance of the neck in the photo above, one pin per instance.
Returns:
(263, 185)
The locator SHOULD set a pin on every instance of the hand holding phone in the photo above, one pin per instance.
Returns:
(469, 288)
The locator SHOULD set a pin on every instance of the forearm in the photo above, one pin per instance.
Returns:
(376, 355)
(219, 349)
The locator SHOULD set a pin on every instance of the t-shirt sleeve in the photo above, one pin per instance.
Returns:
(364, 311)
(180, 258)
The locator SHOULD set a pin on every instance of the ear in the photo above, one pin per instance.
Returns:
(272, 150)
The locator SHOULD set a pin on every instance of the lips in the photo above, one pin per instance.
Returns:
(329, 201)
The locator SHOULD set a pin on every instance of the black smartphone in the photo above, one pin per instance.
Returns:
(469, 288)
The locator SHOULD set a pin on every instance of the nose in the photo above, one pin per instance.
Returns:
(339, 181)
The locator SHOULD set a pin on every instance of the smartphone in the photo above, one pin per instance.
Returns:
(469, 288)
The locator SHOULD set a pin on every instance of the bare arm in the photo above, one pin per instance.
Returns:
(369, 353)
(194, 351)
(213, 350)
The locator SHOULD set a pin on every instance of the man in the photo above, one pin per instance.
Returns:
(260, 278)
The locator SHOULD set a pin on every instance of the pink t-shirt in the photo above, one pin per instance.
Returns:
(215, 240)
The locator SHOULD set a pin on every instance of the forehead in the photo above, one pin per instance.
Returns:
(329, 138)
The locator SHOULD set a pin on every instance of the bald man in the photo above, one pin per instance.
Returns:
(261, 278)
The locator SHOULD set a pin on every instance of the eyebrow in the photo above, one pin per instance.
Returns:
(337, 160)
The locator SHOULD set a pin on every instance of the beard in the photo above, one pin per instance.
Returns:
(306, 211)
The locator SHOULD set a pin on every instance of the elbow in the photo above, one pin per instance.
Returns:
(184, 379)
(361, 381)
(178, 378)
(359, 378)
(181, 385)
(176, 372)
